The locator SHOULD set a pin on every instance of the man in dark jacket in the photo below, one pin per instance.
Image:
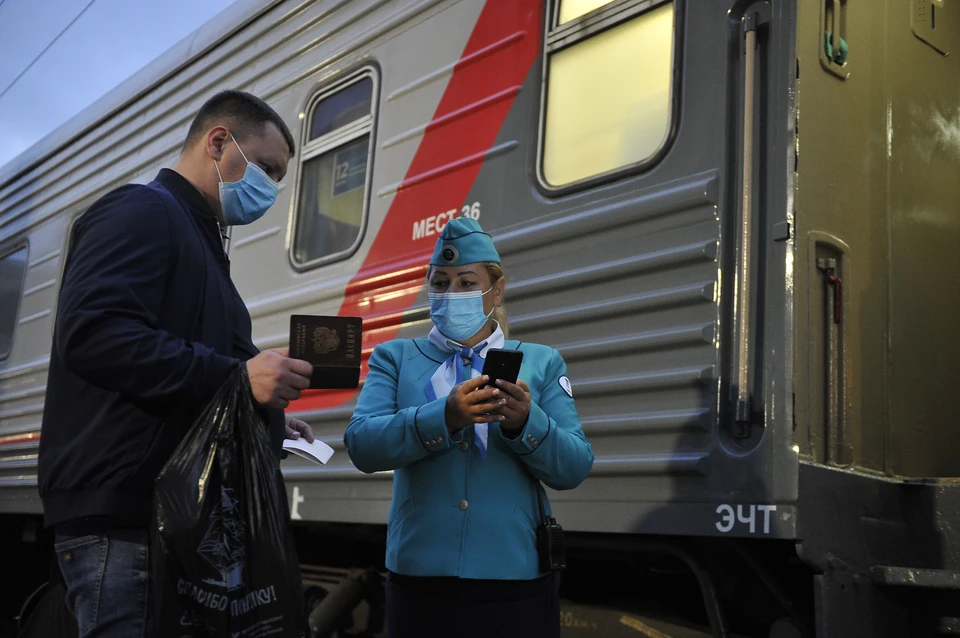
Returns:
(149, 325)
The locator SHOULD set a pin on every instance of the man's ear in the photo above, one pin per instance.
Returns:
(216, 141)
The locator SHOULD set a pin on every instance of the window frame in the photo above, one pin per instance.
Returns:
(557, 38)
(5, 251)
(310, 149)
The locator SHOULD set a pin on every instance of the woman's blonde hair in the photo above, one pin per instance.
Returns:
(495, 271)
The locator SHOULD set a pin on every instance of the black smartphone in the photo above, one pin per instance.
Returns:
(502, 364)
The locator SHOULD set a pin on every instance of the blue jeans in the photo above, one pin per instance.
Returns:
(108, 583)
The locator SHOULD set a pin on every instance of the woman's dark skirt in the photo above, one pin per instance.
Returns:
(429, 607)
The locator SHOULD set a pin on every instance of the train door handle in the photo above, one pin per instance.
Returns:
(744, 336)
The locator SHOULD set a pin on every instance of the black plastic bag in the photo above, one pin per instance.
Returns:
(224, 559)
(45, 613)
(48, 616)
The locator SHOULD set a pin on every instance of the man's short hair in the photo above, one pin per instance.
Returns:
(244, 114)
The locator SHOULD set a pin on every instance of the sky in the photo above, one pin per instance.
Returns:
(109, 42)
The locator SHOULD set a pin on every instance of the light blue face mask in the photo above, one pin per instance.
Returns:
(246, 201)
(458, 315)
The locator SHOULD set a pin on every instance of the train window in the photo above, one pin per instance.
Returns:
(608, 97)
(13, 265)
(334, 172)
(573, 9)
(344, 107)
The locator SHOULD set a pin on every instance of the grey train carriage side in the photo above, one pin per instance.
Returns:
(736, 220)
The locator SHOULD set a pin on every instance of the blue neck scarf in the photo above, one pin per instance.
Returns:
(454, 370)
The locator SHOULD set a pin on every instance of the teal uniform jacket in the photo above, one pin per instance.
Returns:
(454, 514)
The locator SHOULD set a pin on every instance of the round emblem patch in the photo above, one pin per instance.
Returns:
(449, 254)
(565, 384)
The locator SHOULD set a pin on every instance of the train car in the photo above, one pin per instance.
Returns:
(737, 220)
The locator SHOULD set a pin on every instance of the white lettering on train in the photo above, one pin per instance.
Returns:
(433, 225)
(295, 501)
(743, 516)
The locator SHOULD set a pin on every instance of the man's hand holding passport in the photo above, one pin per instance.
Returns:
(332, 345)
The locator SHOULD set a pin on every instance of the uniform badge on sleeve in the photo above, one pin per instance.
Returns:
(565, 384)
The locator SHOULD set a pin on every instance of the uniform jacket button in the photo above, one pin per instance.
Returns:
(464, 446)
(463, 504)
(439, 439)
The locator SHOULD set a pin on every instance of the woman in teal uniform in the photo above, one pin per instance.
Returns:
(467, 457)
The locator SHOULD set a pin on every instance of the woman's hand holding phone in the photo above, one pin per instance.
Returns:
(515, 405)
(472, 402)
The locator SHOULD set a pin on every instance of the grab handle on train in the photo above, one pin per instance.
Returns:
(833, 35)
(744, 297)
(837, 449)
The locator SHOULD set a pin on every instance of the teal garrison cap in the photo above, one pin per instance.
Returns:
(463, 242)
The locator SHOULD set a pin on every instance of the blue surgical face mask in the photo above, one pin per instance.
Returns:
(458, 315)
(246, 201)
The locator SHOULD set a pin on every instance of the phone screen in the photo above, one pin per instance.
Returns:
(502, 364)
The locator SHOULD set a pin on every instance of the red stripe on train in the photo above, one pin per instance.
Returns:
(19, 438)
(499, 54)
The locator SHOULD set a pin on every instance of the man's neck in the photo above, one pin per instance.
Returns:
(184, 167)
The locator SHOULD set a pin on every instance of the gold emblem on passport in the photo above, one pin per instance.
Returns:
(332, 345)
(325, 340)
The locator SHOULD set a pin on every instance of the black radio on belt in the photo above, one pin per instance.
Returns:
(550, 547)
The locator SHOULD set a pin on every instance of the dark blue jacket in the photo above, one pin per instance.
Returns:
(149, 325)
